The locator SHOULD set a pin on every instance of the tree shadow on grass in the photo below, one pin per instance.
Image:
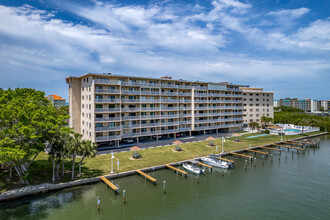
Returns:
(41, 171)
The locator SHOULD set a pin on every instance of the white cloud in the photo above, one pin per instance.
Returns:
(156, 40)
(290, 13)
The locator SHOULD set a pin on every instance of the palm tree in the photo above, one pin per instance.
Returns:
(253, 125)
(264, 119)
(87, 149)
(73, 149)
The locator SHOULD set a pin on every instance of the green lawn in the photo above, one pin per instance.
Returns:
(41, 168)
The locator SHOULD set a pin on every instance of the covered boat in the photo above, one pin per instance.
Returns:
(192, 168)
(214, 162)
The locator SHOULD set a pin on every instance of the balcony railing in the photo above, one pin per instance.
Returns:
(108, 138)
(201, 94)
(107, 128)
(107, 100)
(170, 116)
(130, 109)
(130, 100)
(106, 81)
(130, 126)
(170, 108)
(150, 125)
(108, 119)
(130, 92)
(169, 86)
(169, 100)
(151, 109)
(185, 94)
(107, 109)
(150, 116)
(112, 91)
(149, 93)
(169, 93)
(150, 100)
(185, 122)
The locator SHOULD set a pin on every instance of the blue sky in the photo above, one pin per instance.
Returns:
(280, 45)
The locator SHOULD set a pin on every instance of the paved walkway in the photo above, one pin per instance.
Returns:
(162, 142)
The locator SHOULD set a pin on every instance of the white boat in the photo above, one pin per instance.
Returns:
(192, 169)
(214, 162)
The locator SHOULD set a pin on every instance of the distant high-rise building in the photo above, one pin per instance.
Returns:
(56, 100)
(308, 105)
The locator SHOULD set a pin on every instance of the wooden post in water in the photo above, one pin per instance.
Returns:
(98, 203)
(124, 196)
(164, 186)
(245, 164)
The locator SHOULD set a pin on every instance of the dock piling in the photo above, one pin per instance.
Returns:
(164, 186)
(124, 196)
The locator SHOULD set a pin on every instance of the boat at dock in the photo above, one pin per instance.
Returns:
(193, 169)
(217, 157)
(214, 162)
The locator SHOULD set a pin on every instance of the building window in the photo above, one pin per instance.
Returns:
(257, 100)
(251, 100)
(257, 110)
(251, 104)
(244, 99)
(251, 115)
(257, 115)
(257, 119)
(257, 104)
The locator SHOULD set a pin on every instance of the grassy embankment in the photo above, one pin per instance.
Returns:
(41, 169)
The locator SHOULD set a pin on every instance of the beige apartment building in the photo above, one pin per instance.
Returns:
(110, 109)
(257, 103)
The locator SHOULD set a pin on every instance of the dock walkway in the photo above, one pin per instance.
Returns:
(255, 151)
(297, 148)
(205, 165)
(224, 159)
(110, 184)
(176, 169)
(147, 176)
(270, 148)
(241, 155)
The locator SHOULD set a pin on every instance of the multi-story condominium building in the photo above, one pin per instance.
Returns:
(56, 100)
(308, 105)
(109, 109)
(257, 103)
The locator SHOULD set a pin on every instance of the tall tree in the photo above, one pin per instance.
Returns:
(87, 149)
(253, 125)
(73, 149)
(27, 121)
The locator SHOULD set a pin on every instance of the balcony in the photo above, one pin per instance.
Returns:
(184, 129)
(108, 138)
(150, 116)
(108, 91)
(149, 93)
(169, 86)
(130, 109)
(169, 93)
(106, 81)
(131, 117)
(185, 87)
(150, 100)
(107, 109)
(185, 122)
(130, 92)
(150, 109)
(150, 125)
(184, 94)
(130, 100)
(170, 123)
(107, 119)
(130, 126)
(170, 116)
(201, 94)
(201, 101)
(185, 101)
(185, 115)
(107, 128)
(107, 100)
(170, 108)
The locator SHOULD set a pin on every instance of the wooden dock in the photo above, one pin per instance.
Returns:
(297, 148)
(293, 143)
(241, 155)
(147, 176)
(255, 151)
(224, 159)
(205, 165)
(270, 148)
(176, 169)
(110, 184)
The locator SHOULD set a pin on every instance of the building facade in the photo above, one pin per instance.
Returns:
(257, 103)
(110, 109)
(308, 105)
(56, 100)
